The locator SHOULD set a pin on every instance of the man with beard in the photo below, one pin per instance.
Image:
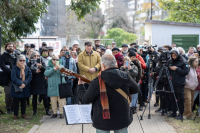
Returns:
(7, 62)
(97, 44)
(124, 50)
(26, 47)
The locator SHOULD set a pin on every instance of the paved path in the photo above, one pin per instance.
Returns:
(156, 124)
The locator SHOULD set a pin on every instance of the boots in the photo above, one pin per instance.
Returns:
(24, 116)
(61, 116)
(15, 117)
(47, 112)
(54, 116)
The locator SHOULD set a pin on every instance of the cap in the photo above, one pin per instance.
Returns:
(136, 46)
(132, 49)
(115, 49)
(124, 45)
(88, 43)
(113, 43)
(50, 47)
(134, 43)
(44, 44)
(27, 45)
(131, 53)
(32, 45)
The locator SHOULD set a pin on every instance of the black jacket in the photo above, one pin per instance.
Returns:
(120, 114)
(6, 59)
(38, 83)
(186, 58)
(179, 75)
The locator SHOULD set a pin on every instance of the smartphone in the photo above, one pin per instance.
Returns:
(127, 63)
(67, 53)
(57, 63)
(38, 60)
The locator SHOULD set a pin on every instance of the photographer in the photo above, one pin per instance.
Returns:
(162, 57)
(178, 69)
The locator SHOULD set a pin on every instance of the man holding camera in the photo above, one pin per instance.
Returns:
(178, 69)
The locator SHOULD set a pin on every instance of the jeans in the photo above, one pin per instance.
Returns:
(195, 96)
(69, 99)
(134, 100)
(16, 105)
(123, 130)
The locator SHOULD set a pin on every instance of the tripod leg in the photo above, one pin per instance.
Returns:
(172, 89)
(196, 114)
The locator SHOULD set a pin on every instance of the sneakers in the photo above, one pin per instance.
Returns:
(47, 112)
(156, 105)
(134, 109)
(159, 110)
(9, 111)
(172, 115)
(179, 117)
(140, 108)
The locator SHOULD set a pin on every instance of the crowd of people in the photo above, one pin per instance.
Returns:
(37, 73)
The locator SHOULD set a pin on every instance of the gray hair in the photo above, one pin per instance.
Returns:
(32, 55)
(108, 60)
(21, 56)
(182, 50)
(74, 52)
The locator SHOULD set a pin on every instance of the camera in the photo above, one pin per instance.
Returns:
(164, 56)
(146, 49)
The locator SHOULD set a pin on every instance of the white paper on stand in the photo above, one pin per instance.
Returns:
(78, 114)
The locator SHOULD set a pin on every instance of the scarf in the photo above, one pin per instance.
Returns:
(104, 98)
(22, 71)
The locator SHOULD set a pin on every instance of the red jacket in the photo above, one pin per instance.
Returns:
(143, 64)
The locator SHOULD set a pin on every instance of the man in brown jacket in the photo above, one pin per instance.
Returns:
(89, 62)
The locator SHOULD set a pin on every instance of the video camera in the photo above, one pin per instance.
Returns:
(164, 56)
(146, 49)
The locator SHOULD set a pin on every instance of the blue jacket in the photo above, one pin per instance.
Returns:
(53, 79)
(72, 65)
(15, 78)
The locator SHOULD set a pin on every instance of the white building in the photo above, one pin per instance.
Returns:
(165, 33)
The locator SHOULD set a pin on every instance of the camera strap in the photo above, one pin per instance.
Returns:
(120, 91)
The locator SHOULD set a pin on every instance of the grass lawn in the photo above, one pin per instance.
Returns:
(9, 125)
(187, 126)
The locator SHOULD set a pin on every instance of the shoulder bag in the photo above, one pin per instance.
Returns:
(65, 89)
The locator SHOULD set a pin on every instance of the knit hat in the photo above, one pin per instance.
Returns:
(32, 45)
(108, 51)
(75, 42)
(115, 49)
(131, 53)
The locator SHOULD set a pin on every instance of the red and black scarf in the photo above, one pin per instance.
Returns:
(104, 98)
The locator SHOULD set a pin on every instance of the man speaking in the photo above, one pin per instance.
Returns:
(109, 95)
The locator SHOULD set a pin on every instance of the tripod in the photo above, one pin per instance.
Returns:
(166, 73)
(196, 113)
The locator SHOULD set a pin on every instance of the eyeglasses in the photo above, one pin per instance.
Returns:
(22, 60)
(55, 59)
(98, 51)
(36, 56)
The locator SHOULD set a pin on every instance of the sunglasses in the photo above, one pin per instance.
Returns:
(36, 56)
(55, 59)
(22, 60)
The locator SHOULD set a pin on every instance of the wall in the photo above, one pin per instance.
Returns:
(148, 31)
(162, 34)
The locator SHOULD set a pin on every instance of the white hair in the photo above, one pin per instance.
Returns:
(198, 45)
(21, 56)
(108, 60)
(182, 50)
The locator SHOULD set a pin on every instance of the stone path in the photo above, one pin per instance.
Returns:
(156, 124)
